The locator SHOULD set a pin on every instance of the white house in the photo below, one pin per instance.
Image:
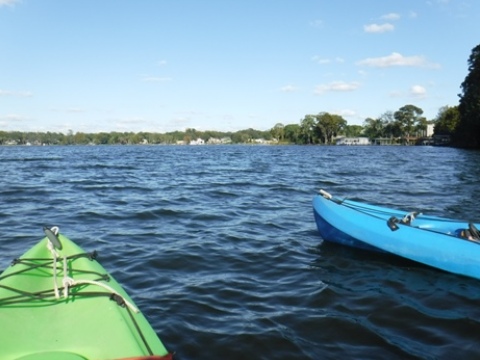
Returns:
(353, 141)
(197, 142)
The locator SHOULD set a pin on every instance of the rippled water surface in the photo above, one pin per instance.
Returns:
(218, 245)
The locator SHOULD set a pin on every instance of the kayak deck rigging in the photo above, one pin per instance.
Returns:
(396, 218)
(31, 264)
(71, 280)
(447, 244)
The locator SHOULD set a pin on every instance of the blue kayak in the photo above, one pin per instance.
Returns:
(446, 244)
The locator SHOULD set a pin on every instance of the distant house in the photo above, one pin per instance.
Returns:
(197, 142)
(353, 141)
(430, 129)
(216, 141)
(427, 133)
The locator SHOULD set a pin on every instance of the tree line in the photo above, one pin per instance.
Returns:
(405, 124)
(461, 123)
(321, 128)
(131, 138)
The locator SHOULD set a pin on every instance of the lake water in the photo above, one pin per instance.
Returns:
(218, 246)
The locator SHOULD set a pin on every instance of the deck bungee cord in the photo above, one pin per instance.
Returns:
(393, 222)
(446, 244)
(67, 283)
(358, 207)
(38, 263)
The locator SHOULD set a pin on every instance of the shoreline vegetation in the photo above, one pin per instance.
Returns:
(457, 126)
(406, 126)
(192, 137)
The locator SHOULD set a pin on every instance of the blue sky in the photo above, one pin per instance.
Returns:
(227, 65)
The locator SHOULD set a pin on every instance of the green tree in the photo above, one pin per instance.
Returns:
(353, 130)
(278, 132)
(102, 138)
(391, 127)
(468, 131)
(79, 138)
(240, 137)
(421, 126)
(3, 137)
(447, 120)
(292, 133)
(328, 126)
(307, 129)
(408, 117)
(69, 140)
(374, 128)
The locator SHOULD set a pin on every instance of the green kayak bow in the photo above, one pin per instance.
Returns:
(58, 303)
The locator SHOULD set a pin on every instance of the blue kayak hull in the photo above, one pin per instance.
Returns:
(429, 240)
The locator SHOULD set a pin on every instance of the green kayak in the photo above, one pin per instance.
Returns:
(58, 303)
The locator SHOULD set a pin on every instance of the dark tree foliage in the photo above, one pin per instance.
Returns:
(292, 133)
(447, 120)
(468, 131)
(407, 119)
(374, 128)
(328, 126)
(307, 129)
(353, 130)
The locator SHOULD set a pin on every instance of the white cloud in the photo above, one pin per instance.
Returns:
(12, 117)
(8, 2)
(322, 61)
(375, 28)
(316, 23)
(288, 88)
(340, 86)
(15, 93)
(70, 110)
(397, 59)
(418, 91)
(162, 63)
(75, 110)
(391, 16)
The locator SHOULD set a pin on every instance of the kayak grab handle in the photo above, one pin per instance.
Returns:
(52, 236)
(329, 196)
(325, 194)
